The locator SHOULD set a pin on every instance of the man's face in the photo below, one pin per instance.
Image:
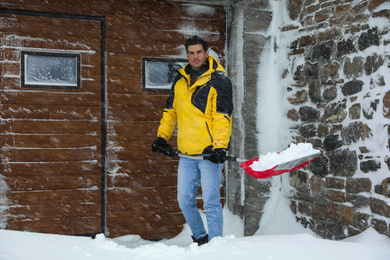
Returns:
(196, 56)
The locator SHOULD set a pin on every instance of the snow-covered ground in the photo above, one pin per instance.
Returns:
(282, 245)
(15, 245)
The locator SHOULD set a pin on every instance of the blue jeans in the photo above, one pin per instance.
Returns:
(190, 173)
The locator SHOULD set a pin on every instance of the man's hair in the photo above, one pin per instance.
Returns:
(194, 40)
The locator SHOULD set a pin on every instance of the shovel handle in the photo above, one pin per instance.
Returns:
(203, 157)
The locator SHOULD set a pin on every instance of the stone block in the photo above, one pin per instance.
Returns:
(332, 142)
(297, 51)
(346, 46)
(336, 127)
(316, 142)
(379, 225)
(299, 73)
(315, 91)
(317, 186)
(373, 63)
(354, 67)
(293, 114)
(322, 130)
(353, 132)
(329, 70)
(383, 188)
(310, 70)
(304, 208)
(309, 114)
(293, 206)
(304, 222)
(295, 9)
(386, 105)
(368, 39)
(358, 185)
(330, 33)
(322, 51)
(329, 229)
(355, 111)
(335, 112)
(335, 183)
(347, 214)
(337, 19)
(335, 195)
(342, 8)
(352, 87)
(334, 211)
(308, 130)
(298, 97)
(330, 93)
(358, 201)
(343, 162)
(307, 40)
(364, 149)
(320, 166)
(299, 179)
(380, 207)
(351, 231)
(319, 212)
(361, 220)
(370, 166)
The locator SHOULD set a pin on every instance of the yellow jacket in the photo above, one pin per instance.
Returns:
(202, 112)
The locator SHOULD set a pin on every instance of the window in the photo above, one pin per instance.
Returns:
(50, 70)
(158, 74)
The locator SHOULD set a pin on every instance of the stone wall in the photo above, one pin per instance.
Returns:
(340, 103)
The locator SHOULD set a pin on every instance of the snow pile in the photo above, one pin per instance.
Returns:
(17, 245)
(272, 159)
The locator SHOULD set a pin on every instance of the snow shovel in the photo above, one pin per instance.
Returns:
(287, 166)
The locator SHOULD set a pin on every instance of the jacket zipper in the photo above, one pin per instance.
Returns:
(208, 130)
(193, 99)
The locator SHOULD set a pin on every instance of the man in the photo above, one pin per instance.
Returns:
(200, 104)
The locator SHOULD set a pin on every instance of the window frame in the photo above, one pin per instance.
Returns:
(50, 54)
(158, 59)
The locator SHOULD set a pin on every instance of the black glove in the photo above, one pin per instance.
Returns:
(160, 145)
(217, 156)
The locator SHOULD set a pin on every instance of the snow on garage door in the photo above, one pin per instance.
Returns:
(50, 128)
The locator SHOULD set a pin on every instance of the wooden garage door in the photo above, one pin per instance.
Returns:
(50, 136)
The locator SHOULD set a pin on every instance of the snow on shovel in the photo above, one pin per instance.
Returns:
(274, 164)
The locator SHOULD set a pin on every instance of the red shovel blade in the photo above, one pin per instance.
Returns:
(278, 169)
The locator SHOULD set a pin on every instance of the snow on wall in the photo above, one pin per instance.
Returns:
(197, 10)
(272, 124)
(4, 206)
